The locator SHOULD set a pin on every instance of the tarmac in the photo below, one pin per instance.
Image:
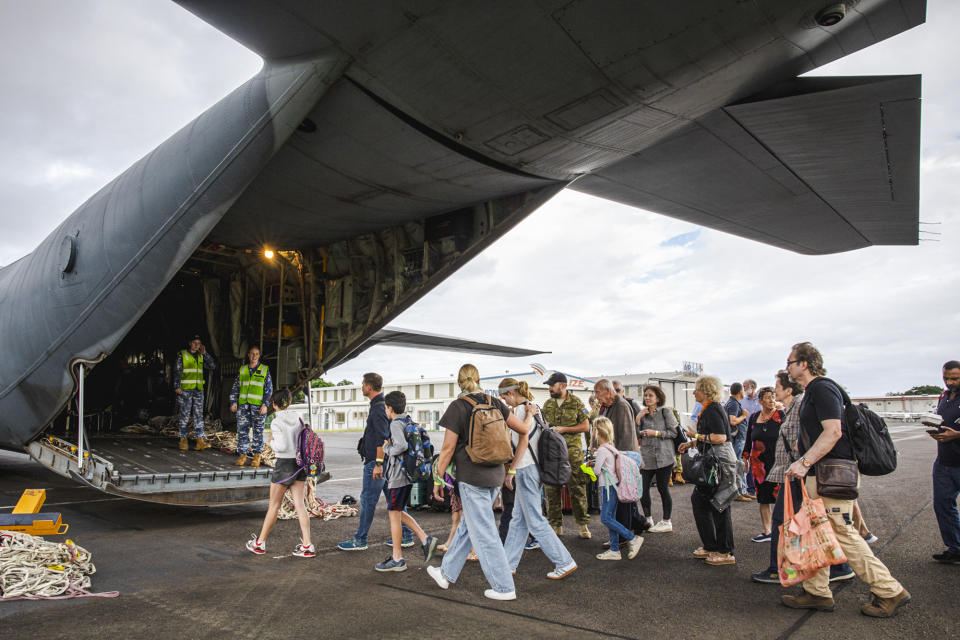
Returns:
(184, 571)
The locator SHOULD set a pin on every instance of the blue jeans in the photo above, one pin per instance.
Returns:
(739, 442)
(608, 516)
(479, 530)
(946, 488)
(528, 518)
(369, 497)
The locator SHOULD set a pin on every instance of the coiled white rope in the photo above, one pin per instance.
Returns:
(33, 569)
(315, 505)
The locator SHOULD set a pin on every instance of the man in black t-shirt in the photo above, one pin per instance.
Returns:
(823, 435)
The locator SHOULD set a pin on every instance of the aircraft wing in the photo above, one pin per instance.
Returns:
(397, 337)
(816, 165)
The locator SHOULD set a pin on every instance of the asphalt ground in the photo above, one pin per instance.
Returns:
(184, 572)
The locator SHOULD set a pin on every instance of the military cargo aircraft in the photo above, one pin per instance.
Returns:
(385, 144)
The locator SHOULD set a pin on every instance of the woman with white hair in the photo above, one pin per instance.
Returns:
(714, 525)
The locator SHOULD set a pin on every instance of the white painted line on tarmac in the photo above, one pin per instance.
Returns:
(343, 480)
(923, 435)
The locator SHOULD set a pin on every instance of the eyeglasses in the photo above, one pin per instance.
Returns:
(790, 362)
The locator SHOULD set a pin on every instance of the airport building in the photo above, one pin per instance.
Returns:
(344, 407)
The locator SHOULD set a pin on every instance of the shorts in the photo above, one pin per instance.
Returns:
(287, 471)
(455, 504)
(397, 498)
(767, 492)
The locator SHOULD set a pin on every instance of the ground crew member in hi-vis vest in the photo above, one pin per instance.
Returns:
(188, 385)
(566, 413)
(249, 399)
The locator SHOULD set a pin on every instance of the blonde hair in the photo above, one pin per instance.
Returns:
(604, 428)
(468, 378)
(710, 387)
(520, 386)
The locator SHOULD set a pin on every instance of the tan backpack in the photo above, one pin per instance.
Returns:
(488, 441)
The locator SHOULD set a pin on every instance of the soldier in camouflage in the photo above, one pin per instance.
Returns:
(188, 379)
(568, 416)
(249, 399)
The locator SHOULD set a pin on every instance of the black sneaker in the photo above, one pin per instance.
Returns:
(765, 577)
(947, 557)
(761, 537)
(840, 572)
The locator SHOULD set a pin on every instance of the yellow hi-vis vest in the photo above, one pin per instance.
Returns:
(192, 376)
(251, 384)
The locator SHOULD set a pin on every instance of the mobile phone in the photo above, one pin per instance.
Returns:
(933, 431)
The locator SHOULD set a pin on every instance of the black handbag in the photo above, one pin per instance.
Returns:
(702, 470)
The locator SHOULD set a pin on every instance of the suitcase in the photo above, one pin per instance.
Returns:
(593, 496)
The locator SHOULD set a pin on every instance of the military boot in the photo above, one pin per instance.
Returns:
(202, 444)
(184, 445)
(585, 532)
(256, 460)
(241, 460)
(558, 529)
(808, 601)
(885, 607)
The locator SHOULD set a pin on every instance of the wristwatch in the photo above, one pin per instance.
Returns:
(805, 462)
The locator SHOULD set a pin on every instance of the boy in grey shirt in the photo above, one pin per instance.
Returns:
(397, 488)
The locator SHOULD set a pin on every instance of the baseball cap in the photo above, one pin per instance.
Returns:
(196, 336)
(554, 378)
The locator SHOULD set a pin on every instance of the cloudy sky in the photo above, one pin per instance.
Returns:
(91, 86)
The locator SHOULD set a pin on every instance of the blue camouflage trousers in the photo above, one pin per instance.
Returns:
(190, 404)
(248, 417)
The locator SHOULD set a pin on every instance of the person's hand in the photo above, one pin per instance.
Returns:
(377, 471)
(438, 492)
(508, 481)
(533, 409)
(263, 409)
(648, 433)
(233, 407)
(946, 435)
(686, 445)
(202, 349)
(178, 391)
(797, 470)
(691, 432)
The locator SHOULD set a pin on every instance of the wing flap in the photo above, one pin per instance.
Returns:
(821, 165)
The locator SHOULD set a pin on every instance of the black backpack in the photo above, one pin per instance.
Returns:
(681, 436)
(869, 437)
(551, 456)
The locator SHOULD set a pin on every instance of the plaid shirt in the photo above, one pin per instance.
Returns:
(789, 431)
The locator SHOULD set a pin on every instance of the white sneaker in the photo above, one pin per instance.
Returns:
(662, 527)
(437, 576)
(562, 572)
(497, 595)
(633, 547)
(609, 555)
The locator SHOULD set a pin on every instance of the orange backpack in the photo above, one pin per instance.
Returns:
(488, 441)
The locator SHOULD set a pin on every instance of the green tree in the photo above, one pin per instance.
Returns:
(319, 383)
(924, 390)
(345, 383)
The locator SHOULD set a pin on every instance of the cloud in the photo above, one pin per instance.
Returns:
(606, 288)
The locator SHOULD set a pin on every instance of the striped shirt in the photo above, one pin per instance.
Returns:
(789, 431)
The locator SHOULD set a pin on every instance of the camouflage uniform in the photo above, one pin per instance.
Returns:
(190, 401)
(568, 414)
(248, 410)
